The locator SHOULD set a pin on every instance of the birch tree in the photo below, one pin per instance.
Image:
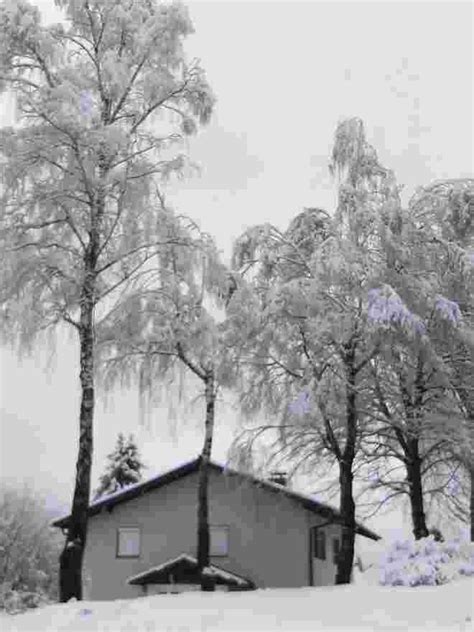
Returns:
(100, 107)
(310, 332)
(173, 321)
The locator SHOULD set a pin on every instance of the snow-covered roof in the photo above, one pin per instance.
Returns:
(133, 486)
(189, 467)
(189, 563)
(161, 567)
(215, 571)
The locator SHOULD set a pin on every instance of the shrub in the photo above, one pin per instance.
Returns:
(17, 601)
(426, 562)
(467, 568)
(29, 551)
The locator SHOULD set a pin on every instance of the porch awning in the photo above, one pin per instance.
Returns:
(184, 570)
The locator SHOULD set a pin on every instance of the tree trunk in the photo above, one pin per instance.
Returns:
(347, 506)
(409, 439)
(203, 539)
(71, 558)
(415, 484)
(471, 504)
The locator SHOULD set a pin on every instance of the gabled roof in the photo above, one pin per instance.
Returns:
(185, 569)
(138, 489)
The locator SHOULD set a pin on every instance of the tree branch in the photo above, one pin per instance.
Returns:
(189, 363)
(155, 106)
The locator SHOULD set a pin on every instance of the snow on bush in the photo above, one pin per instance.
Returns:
(29, 550)
(426, 562)
(18, 601)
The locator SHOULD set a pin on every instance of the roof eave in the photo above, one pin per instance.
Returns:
(367, 533)
(153, 575)
(189, 467)
(134, 492)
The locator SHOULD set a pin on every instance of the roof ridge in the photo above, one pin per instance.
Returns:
(189, 467)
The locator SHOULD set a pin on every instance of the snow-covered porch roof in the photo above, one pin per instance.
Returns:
(184, 570)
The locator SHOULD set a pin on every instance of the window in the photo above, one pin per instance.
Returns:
(128, 542)
(336, 547)
(319, 543)
(219, 541)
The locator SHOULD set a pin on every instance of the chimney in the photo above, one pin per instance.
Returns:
(280, 478)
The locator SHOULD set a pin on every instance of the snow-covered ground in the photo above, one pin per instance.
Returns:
(355, 607)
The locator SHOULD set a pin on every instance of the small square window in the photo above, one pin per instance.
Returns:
(219, 541)
(128, 542)
(336, 548)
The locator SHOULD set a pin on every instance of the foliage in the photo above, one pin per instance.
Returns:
(308, 344)
(173, 316)
(18, 601)
(442, 215)
(426, 562)
(342, 317)
(417, 417)
(420, 392)
(124, 467)
(29, 549)
(170, 320)
(312, 288)
(65, 174)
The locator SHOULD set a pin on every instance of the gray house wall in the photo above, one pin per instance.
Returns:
(268, 536)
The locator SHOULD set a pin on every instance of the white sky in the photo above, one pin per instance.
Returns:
(284, 73)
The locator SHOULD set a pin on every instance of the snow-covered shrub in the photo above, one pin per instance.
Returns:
(17, 601)
(29, 550)
(426, 562)
(467, 568)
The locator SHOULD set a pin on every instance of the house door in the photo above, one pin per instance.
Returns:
(323, 569)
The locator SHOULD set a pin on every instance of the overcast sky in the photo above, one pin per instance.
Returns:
(284, 73)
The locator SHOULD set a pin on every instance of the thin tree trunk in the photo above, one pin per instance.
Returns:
(415, 483)
(410, 440)
(347, 505)
(471, 503)
(203, 540)
(71, 558)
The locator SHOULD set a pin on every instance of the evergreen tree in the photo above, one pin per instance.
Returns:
(124, 467)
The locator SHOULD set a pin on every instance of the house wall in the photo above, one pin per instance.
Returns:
(324, 571)
(268, 536)
(166, 520)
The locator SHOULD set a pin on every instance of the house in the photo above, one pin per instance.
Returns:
(142, 540)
